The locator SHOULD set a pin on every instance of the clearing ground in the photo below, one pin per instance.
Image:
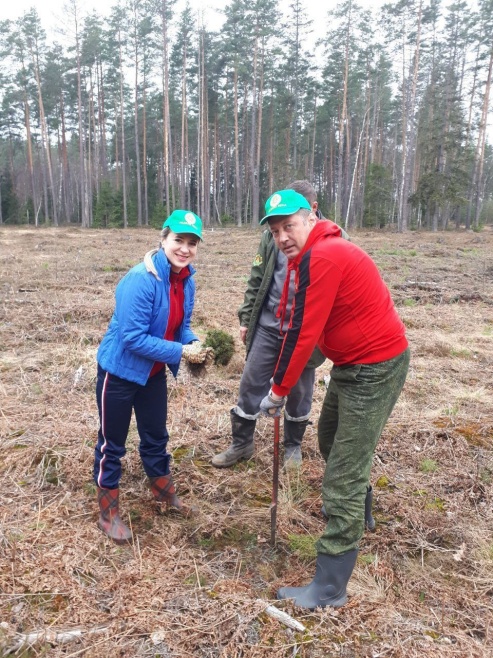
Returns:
(423, 584)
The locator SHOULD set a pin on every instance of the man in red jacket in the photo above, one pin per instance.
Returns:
(343, 306)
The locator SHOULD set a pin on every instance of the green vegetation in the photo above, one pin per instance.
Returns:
(223, 345)
(303, 545)
(428, 466)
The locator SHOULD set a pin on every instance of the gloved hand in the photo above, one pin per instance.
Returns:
(272, 404)
(196, 353)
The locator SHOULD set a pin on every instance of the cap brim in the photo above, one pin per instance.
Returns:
(281, 212)
(188, 232)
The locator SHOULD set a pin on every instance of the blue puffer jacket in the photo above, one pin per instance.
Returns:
(134, 339)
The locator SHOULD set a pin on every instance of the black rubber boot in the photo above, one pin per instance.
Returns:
(328, 588)
(293, 436)
(241, 448)
(369, 520)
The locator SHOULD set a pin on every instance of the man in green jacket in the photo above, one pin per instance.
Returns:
(262, 334)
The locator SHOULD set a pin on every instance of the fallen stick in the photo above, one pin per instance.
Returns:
(52, 636)
(284, 618)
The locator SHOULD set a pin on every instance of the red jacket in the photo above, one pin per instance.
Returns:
(342, 304)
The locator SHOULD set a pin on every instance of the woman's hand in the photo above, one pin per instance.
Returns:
(196, 353)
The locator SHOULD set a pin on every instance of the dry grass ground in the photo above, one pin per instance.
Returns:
(423, 584)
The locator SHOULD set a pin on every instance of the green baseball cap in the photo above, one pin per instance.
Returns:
(184, 221)
(284, 202)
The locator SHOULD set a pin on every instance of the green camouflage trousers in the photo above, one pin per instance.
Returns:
(357, 404)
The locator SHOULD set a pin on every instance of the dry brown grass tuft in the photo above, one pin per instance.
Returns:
(423, 584)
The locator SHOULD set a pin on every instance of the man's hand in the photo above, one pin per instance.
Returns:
(272, 404)
(243, 334)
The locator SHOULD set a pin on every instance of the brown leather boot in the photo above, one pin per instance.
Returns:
(163, 490)
(109, 518)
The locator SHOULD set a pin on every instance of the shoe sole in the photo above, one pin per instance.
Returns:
(120, 542)
(228, 464)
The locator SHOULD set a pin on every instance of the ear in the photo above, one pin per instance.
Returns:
(314, 207)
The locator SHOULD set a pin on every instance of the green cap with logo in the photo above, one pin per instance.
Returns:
(284, 202)
(184, 221)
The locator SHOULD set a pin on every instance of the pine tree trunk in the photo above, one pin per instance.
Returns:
(83, 200)
(237, 150)
(65, 175)
(482, 143)
(342, 123)
(144, 143)
(29, 146)
(165, 86)
(136, 122)
(122, 122)
(253, 135)
(408, 144)
(256, 193)
(311, 163)
(183, 159)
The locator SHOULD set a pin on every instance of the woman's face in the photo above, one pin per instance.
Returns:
(180, 249)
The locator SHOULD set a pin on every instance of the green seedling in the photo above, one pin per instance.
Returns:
(428, 466)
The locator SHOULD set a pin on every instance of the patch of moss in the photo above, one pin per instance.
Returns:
(134, 514)
(486, 476)
(368, 558)
(259, 500)
(428, 466)
(90, 488)
(462, 353)
(303, 545)
(436, 504)
(181, 452)
(397, 252)
(234, 535)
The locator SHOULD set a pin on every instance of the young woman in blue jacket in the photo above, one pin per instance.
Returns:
(150, 329)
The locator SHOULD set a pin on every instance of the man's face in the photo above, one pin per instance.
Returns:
(291, 233)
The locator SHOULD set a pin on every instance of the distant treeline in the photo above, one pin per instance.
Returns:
(146, 110)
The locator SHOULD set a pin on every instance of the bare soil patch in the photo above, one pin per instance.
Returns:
(423, 584)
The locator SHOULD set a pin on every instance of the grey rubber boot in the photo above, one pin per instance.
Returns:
(369, 520)
(241, 448)
(329, 584)
(293, 436)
